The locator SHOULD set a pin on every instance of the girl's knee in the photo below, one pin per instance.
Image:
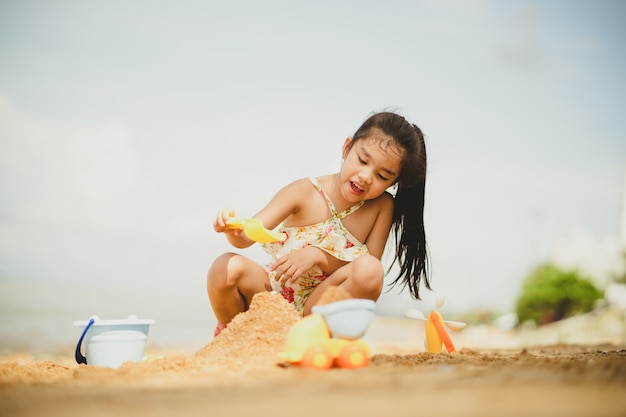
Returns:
(369, 265)
(223, 269)
(369, 274)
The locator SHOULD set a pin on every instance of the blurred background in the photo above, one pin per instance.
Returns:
(126, 125)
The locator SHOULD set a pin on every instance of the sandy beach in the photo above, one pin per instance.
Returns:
(238, 374)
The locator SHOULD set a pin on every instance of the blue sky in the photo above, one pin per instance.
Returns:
(125, 125)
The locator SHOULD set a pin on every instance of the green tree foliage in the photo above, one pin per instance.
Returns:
(551, 294)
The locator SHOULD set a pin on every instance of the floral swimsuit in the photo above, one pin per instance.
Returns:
(329, 235)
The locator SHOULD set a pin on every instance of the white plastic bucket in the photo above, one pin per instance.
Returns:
(347, 319)
(112, 342)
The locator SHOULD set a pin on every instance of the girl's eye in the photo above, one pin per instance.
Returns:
(362, 161)
(382, 177)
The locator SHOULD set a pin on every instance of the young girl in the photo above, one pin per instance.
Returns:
(337, 226)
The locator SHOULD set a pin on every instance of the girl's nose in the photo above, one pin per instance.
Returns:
(365, 177)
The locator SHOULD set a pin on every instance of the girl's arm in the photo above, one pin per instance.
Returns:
(308, 257)
(291, 266)
(284, 203)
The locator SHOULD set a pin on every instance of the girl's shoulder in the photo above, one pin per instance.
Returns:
(297, 191)
(302, 185)
(384, 201)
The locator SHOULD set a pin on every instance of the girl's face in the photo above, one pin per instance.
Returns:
(371, 166)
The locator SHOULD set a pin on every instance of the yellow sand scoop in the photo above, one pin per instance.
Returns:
(255, 230)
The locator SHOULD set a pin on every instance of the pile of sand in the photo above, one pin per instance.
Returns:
(252, 339)
(333, 294)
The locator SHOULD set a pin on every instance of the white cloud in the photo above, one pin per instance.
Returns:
(79, 202)
(70, 172)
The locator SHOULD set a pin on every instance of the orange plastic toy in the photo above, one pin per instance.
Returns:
(310, 343)
(436, 335)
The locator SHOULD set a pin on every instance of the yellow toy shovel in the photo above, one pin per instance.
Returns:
(255, 230)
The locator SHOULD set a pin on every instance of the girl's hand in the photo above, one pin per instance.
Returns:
(291, 266)
(220, 222)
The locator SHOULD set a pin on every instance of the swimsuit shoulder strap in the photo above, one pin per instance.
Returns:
(351, 210)
(330, 204)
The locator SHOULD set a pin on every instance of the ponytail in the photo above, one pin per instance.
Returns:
(408, 217)
(408, 213)
(410, 238)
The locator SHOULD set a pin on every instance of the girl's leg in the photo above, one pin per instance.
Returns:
(231, 282)
(362, 278)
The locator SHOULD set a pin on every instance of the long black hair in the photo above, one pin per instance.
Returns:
(408, 213)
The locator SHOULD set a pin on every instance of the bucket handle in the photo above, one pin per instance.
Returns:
(80, 359)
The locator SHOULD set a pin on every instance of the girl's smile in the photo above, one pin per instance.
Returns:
(356, 189)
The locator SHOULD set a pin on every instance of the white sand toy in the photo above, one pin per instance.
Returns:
(347, 319)
(112, 342)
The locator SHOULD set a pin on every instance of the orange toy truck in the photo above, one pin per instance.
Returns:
(330, 336)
